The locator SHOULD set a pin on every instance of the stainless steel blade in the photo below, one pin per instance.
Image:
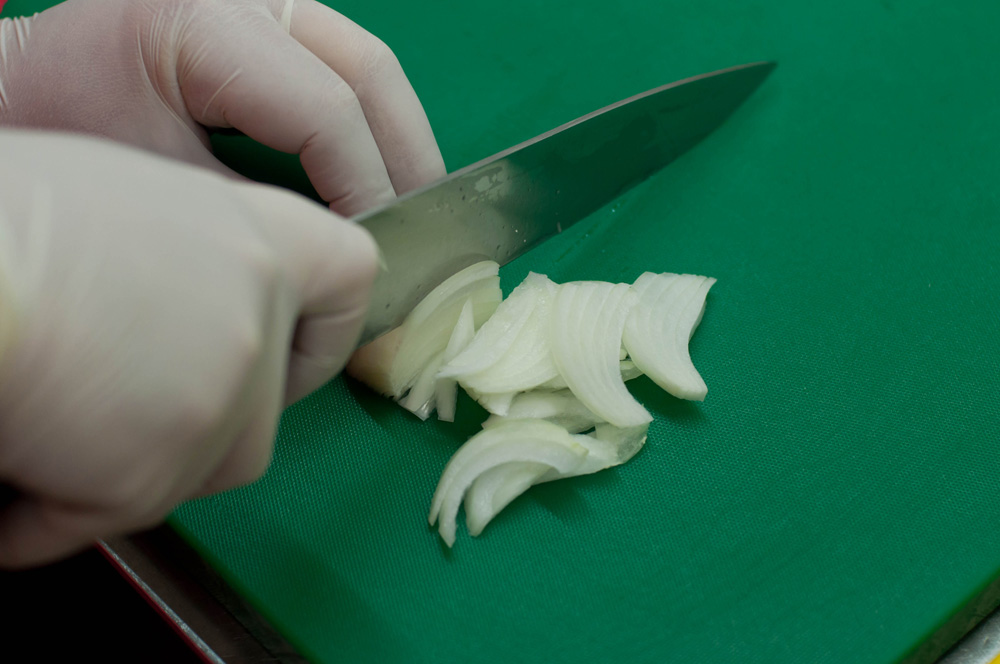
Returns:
(500, 207)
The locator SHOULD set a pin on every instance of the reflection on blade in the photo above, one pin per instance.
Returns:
(502, 206)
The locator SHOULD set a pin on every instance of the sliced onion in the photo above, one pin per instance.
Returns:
(499, 333)
(629, 370)
(429, 326)
(446, 389)
(371, 363)
(627, 367)
(560, 407)
(496, 404)
(526, 361)
(495, 489)
(514, 441)
(421, 398)
(626, 442)
(585, 337)
(661, 325)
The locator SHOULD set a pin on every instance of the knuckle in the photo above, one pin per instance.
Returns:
(262, 263)
(200, 412)
(380, 59)
(344, 98)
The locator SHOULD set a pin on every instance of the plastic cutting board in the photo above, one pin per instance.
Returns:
(835, 497)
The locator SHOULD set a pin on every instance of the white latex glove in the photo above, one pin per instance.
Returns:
(292, 74)
(158, 317)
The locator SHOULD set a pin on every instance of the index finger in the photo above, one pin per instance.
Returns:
(264, 83)
(395, 114)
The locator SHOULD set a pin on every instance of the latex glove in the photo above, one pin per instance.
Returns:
(292, 74)
(162, 315)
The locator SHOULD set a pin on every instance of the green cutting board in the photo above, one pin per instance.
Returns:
(835, 497)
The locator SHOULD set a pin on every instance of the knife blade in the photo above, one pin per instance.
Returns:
(500, 207)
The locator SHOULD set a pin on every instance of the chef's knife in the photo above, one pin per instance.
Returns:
(500, 207)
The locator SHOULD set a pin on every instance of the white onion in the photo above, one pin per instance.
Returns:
(660, 326)
(372, 362)
(626, 442)
(526, 360)
(429, 326)
(497, 404)
(560, 407)
(515, 440)
(498, 334)
(446, 389)
(585, 337)
(421, 398)
(495, 489)
(627, 367)
(549, 363)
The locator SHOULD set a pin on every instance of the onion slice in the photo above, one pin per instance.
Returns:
(429, 326)
(422, 397)
(513, 441)
(494, 403)
(585, 337)
(372, 362)
(627, 367)
(661, 325)
(446, 389)
(497, 335)
(496, 488)
(560, 407)
(519, 359)
(626, 442)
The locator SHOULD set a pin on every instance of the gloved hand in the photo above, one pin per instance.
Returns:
(292, 74)
(158, 317)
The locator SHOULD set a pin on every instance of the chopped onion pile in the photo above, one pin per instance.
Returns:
(549, 363)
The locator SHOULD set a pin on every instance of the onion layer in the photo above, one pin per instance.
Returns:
(498, 486)
(585, 336)
(515, 440)
(660, 326)
(429, 326)
(514, 357)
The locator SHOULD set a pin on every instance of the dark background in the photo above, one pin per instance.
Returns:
(83, 606)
